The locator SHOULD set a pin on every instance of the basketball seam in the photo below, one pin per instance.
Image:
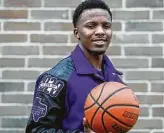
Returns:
(100, 106)
(104, 124)
(115, 118)
(114, 93)
(132, 105)
(96, 101)
(97, 98)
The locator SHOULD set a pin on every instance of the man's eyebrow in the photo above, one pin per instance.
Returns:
(96, 21)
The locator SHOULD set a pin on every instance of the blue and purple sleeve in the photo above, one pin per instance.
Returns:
(48, 109)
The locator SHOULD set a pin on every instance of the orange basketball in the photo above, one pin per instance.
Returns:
(111, 107)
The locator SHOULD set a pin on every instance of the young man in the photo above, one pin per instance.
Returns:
(60, 93)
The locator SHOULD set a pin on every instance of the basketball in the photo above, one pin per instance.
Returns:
(111, 107)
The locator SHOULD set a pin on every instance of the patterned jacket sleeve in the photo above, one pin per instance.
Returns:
(48, 107)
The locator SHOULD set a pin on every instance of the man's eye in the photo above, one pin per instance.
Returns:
(90, 25)
(106, 26)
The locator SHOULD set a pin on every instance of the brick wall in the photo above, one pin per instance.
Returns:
(36, 34)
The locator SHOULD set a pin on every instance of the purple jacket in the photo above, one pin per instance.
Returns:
(60, 93)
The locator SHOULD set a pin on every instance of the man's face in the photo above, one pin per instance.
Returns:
(94, 30)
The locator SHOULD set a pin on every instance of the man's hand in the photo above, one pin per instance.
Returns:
(86, 127)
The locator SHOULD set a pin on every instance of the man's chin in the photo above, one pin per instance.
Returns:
(98, 52)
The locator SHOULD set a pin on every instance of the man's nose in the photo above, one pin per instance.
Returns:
(99, 30)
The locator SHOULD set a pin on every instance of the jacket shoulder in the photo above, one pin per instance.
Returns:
(63, 69)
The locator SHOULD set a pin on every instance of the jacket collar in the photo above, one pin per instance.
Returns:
(83, 66)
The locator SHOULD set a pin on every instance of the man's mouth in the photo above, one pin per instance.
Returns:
(99, 42)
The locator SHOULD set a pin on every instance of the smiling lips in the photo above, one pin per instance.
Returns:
(99, 42)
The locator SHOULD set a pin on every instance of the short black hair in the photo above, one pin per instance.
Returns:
(89, 4)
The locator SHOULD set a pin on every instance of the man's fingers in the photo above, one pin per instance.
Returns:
(84, 121)
(86, 128)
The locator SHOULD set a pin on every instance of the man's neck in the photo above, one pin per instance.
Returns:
(94, 59)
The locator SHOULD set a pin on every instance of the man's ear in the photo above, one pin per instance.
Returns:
(76, 33)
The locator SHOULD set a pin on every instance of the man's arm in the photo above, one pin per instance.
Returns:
(48, 109)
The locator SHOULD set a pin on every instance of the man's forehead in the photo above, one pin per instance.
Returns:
(92, 13)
